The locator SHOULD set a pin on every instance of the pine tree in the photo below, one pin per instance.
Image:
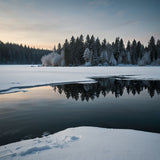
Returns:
(158, 48)
(94, 51)
(116, 51)
(98, 46)
(133, 51)
(54, 49)
(122, 56)
(81, 49)
(72, 51)
(59, 48)
(139, 53)
(66, 53)
(128, 53)
(87, 42)
(104, 46)
(152, 49)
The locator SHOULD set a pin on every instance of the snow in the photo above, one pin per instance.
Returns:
(17, 76)
(88, 143)
(82, 142)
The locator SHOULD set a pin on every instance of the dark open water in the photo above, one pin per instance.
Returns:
(109, 103)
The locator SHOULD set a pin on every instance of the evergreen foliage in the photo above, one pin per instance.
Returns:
(90, 51)
(11, 53)
(104, 53)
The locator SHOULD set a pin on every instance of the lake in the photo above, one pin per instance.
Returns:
(115, 102)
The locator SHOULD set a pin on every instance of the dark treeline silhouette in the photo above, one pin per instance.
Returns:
(106, 86)
(104, 53)
(90, 51)
(11, 53)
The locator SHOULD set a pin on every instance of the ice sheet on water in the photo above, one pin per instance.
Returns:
(14, 76)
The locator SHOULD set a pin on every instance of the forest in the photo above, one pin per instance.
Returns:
(11, 53)
(84, 51)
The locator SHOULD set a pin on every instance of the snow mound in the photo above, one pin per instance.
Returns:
(87, 143)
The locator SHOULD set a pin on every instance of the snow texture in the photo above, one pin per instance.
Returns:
(87, 143)
(17, 77)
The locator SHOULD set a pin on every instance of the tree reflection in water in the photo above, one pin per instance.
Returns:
(104, 86)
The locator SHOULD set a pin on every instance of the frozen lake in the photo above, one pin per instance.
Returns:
(115, 102)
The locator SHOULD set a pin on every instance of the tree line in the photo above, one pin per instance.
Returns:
(11, 53)
(77, 51)
(88, 50)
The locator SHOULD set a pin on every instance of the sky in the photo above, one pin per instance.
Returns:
(45, 23)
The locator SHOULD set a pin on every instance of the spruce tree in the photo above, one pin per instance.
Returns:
(66, 53)
(133, 51)
(152, 49)
(158, 48)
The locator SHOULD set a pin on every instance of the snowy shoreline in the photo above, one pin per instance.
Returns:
(81, 142)
(23, 76)
(87, 143)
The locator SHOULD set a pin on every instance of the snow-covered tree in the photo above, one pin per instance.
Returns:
(73, 53)
(128, 53)
(104, 59)
(53, 59)
(62, 58)
(122, 56)
(112, 60)
(87, 56)
(145, 59)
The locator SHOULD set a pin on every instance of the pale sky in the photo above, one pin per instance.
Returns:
(45, 23)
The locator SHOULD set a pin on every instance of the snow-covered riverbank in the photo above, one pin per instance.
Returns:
(89, 143)
(82, 142)
(27, 75)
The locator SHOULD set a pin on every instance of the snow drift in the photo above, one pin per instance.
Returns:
(87, 143)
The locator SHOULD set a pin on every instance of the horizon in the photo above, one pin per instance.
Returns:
(43, 24)
(52, 48)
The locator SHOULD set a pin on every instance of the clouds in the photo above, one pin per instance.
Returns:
(98, 2)
(51, 21)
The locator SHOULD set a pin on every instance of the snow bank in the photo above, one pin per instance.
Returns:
(25, 75)
(87, 143)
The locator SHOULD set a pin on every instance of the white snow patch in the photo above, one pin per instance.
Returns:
(25, 75)
(87, 143)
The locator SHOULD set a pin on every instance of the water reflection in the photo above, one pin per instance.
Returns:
(30, 114)
(105, 86)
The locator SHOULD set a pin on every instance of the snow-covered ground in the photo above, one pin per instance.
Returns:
(86, 143)
(27, 75)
